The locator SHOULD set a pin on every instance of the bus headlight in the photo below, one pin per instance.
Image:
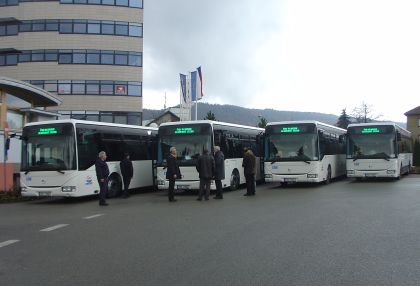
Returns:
(23, 189)
(268, 176)
(68, 189)
(390, 172)
(161, 182)
(312, 176)
(350, 172)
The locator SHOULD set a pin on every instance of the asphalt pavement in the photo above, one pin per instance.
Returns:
(345, 233)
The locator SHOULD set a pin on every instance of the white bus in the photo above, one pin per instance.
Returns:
(303, 151)
(378, 150)
(58, 157)
(190, 138)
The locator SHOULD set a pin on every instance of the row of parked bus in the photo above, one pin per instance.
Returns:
(58, 156)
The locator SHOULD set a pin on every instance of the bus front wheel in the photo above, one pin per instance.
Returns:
(114, 186)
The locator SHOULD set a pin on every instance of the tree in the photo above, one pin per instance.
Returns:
(344, 120)
(262, 123)
(210, 116)
(364, 113)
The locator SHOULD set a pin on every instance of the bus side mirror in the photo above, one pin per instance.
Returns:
(398, 136)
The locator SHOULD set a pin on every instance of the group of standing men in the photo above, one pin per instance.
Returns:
(102, 174)
(210, 168)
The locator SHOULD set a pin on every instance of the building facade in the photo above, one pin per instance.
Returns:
(413, 122)
(87, 52)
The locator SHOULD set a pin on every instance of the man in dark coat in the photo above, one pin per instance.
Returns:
(172, 173)
(102, 173)
(219, 171)
(205, 168)
(249, 164)
(126, 167)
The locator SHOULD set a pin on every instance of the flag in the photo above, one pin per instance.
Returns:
(200, 75)
(183, 79)
(193, 86)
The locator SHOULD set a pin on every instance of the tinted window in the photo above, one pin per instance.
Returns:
(11, 59)
(93, 59)
(94, 28)
(107, 59)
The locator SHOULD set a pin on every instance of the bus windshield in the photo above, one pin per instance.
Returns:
(373, 146)
(48, 148)
(292, 147)
(189, 141)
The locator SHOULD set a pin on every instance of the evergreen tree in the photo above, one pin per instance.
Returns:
(210, 116)
(344, 120)
(262, 123)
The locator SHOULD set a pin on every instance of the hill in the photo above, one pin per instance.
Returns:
(247, 116)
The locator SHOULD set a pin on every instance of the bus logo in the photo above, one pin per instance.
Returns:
(89, 181)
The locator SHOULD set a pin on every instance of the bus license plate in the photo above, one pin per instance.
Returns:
(290, 180)
(45, 194)
(182, 187)
(370, 175)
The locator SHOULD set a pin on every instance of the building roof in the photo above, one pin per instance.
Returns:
(163, 114)
(415, 111)
(35, 95)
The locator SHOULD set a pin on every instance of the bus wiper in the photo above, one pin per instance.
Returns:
(27, 171)
(307, 162)
(61, 172)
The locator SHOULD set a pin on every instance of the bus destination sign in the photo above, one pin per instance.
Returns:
(368, 130)
(184, 130)
(47, 131)
(290, 129)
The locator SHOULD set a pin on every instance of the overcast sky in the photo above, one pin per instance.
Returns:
(298, 55)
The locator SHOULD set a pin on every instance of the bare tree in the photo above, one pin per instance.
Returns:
(364, 113)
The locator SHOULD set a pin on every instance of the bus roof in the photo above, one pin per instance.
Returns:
(317, 123)
(397, 127)
(211, 123)
(74, 121)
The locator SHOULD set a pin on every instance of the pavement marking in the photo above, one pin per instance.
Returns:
(54, 227)
(93, 216)
(8, 242)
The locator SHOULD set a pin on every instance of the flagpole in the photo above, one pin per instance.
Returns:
(196, 103)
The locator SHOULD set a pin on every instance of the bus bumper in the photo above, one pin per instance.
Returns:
(183, 185)
(47, 192)
(372, 174)
(301, 178)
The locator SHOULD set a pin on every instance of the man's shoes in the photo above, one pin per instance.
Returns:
(103, 204)
(206, 199)
(253, 194)
(218, 198)
(172, 200)
(199, 199)
(247, 195)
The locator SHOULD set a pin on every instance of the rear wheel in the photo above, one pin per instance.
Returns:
(234, 180)
(114, 186)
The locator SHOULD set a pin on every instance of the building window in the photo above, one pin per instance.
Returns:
(68, 26)
(90, 87)
(123, 3)
(15, 119)
(11, 60)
